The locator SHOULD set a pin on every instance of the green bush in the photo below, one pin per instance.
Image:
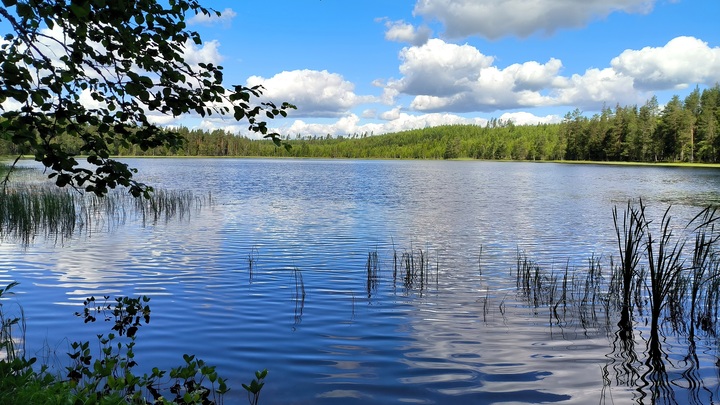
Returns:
(109, 377)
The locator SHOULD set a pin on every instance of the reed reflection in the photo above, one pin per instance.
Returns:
(646, 368)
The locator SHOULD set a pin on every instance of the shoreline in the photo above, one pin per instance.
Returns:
(571, 162)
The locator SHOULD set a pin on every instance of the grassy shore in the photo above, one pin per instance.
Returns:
(646, 164)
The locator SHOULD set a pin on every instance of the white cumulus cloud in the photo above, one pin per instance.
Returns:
(458, 78)
(208, 52)
(597, 87)
(681, 62)
(369, 113)
(497, 18)
(315, 93)
(526, 118)
(391, 114)
(533, 75)
(400, 31)
(440, 69)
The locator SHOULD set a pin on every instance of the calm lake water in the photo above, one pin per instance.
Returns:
(461, 334)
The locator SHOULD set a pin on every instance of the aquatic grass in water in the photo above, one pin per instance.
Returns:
(589, 299)
(299, 298)
(12, 328)
(169, 204)
(629, 238)
(414, 269)
(29, 210)
(372, 272)
(679, 287)
(252, 260)
(26, 212)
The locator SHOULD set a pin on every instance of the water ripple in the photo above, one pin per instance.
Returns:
(276, 276)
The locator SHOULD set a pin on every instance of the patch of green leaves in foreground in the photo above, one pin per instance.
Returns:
(108, 377)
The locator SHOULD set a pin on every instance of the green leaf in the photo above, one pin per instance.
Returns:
(146, 81)
(239, 113)
(37, 98)
(80, 11)
(24, 11)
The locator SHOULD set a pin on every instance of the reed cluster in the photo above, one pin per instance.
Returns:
(31, 210)
(674, 275)
(413, 268)
(678, 270)
(26, 212)
(571, 295)
(169, 204)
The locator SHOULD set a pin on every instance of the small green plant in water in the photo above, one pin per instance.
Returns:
(8, 348)
(255, 386)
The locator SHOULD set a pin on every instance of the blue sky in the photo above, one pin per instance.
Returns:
(381, 66)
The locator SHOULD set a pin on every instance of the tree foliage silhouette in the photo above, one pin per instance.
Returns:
(96, 71)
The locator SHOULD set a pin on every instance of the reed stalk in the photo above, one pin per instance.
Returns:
(372, 272)
(252, 260)
(630, 238)
(299, 298)
(665, 265)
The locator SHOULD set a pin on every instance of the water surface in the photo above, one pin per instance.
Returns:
(461, 335)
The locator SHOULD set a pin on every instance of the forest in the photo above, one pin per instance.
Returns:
(684, 130)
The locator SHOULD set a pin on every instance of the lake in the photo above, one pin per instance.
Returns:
(301, 267)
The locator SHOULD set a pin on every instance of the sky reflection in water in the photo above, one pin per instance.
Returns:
(462, 334)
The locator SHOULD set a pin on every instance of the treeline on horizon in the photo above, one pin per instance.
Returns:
(685, 130)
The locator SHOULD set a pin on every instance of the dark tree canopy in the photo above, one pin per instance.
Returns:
(127, 57)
